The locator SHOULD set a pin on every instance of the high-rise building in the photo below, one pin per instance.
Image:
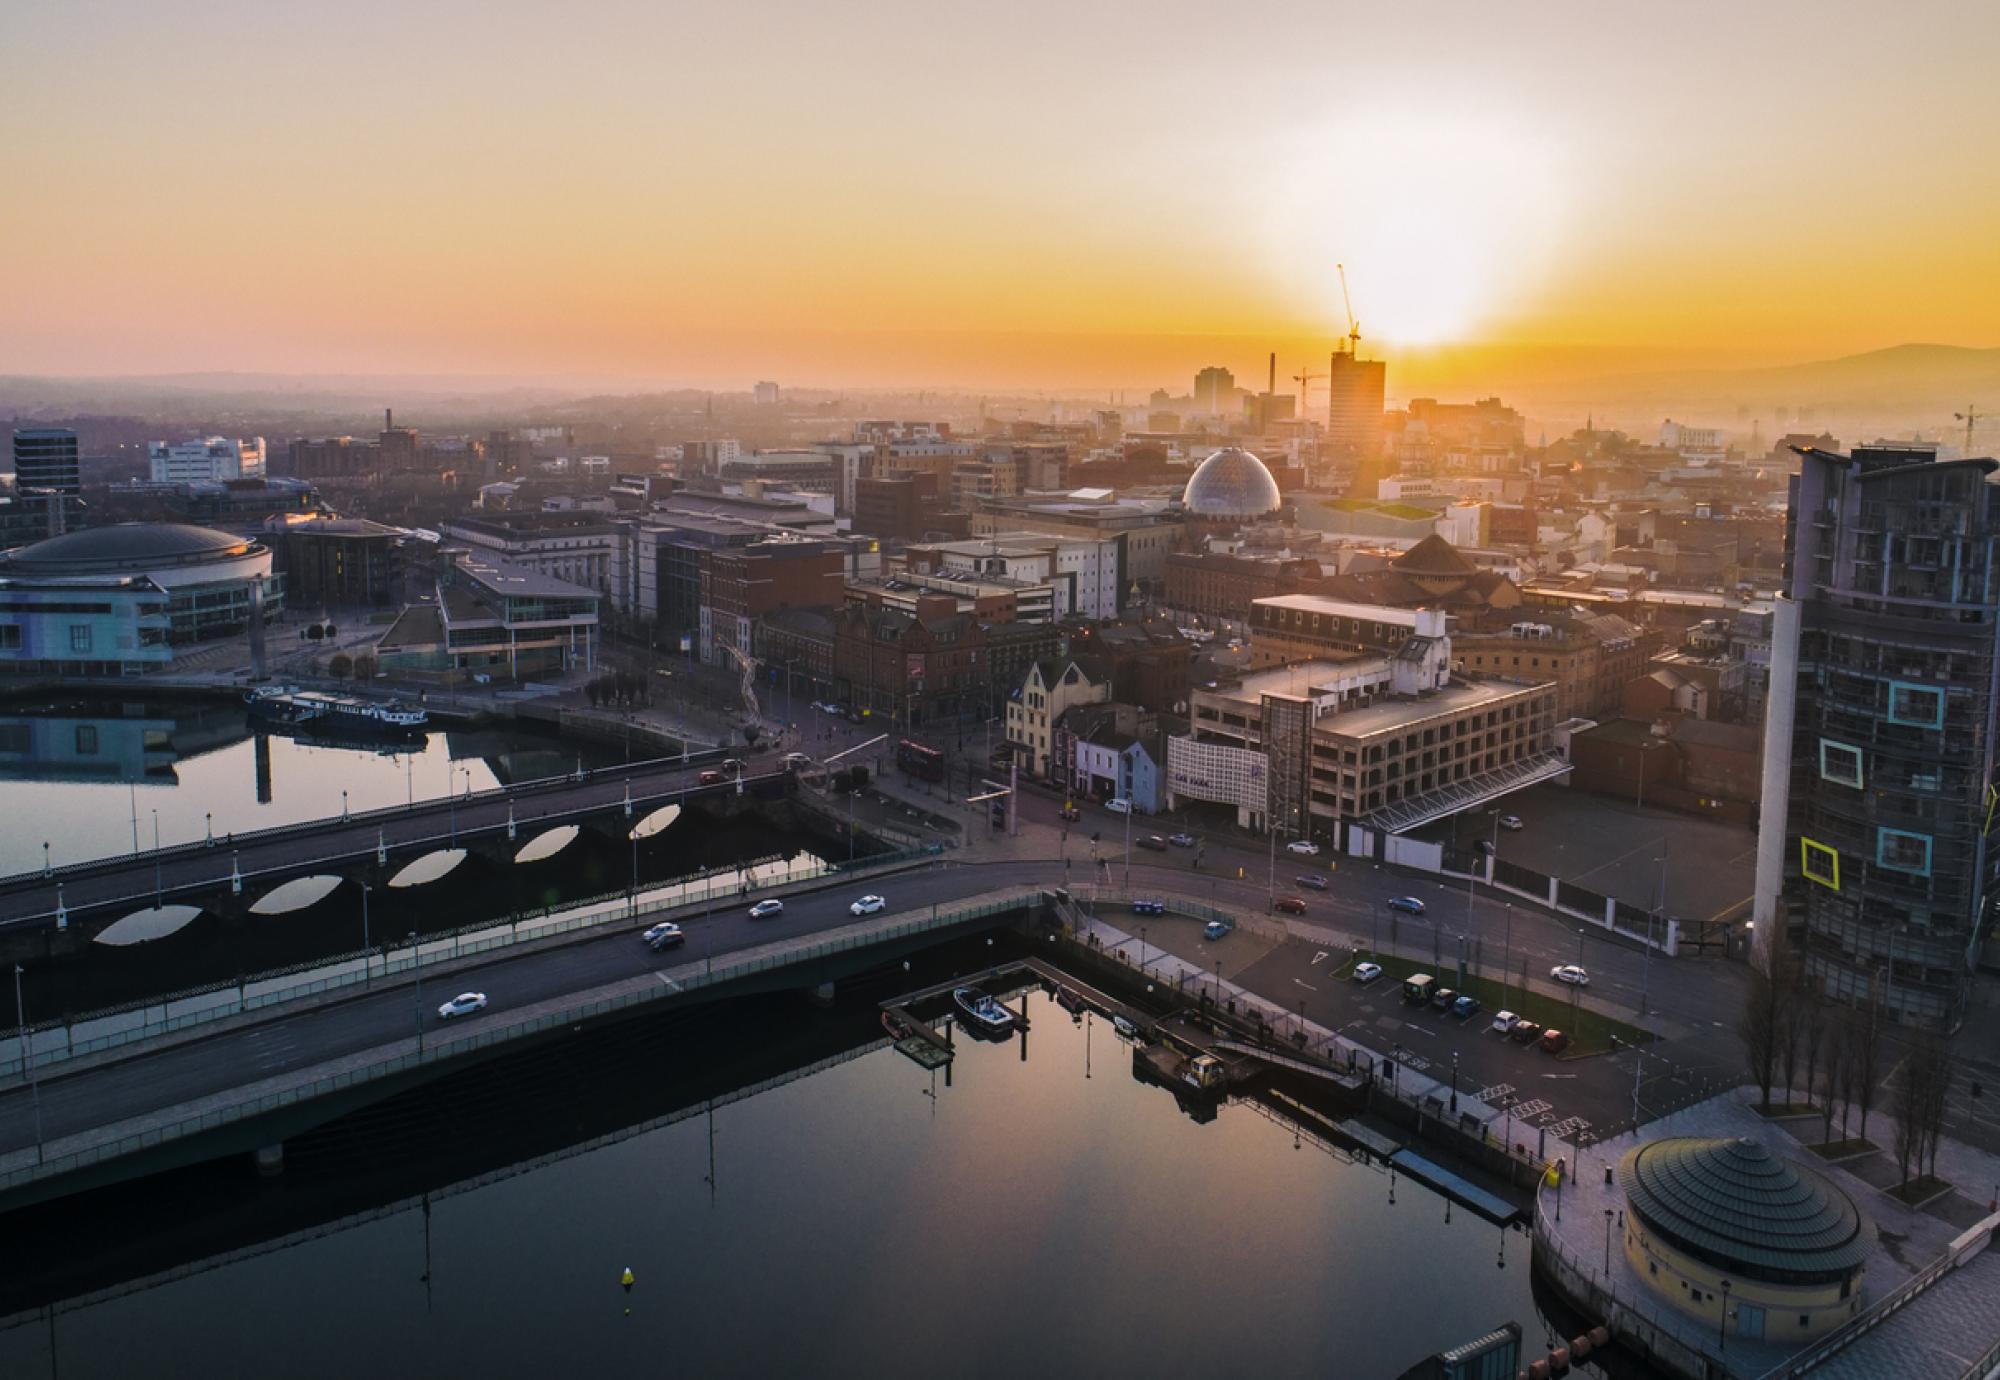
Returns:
(1873, 857)
(48, 459)
(1214, 389)
(765, 394)
(1355, 392)
(195, 462)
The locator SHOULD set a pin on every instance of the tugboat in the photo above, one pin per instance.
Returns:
(983, 1013)
(335, 714)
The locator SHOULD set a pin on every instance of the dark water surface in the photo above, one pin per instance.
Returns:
(1046, 1217)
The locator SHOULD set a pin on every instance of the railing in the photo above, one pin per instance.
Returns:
(198, 1006)
(25, 1166)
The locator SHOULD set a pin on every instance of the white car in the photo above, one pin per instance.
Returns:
(1505, 1021)
(1118, 805)
(867, 905)
(1511, 823)
(1303, 848)
(1367, 972)
(764, 908)
(464, 1004)
(1572, 973)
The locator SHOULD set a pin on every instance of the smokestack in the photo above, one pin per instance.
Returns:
(1272, 387)
(388, 419)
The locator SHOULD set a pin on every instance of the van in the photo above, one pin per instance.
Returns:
(709, 778)
(1418, 987)
(1118, 805)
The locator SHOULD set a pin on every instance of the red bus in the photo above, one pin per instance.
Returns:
(924, 763)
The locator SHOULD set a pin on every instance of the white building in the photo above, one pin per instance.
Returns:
(765, 394)
(1046, 694)
(195, 462)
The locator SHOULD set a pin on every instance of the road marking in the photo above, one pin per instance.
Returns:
(1307, 985)
(1497, 1090)
(1523, 1110)
(1318, 956)
(1558, 1075)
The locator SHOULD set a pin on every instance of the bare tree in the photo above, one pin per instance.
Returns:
(1758, 1025)
(1934, 1107)
(1811, 1019)
(1786, 975)
(1854, 1030)
(1911, 1094)
(1832, 1069)
(1867, 1065)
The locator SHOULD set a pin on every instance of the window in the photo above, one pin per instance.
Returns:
(79, 637)
(10, 637)
(1839, 763)
(1818, 863)
(1903, 851)
(86, 740)
(1920, 706)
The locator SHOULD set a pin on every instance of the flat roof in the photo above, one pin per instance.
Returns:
(1342, 608)
(1458, 697)
(1298, 680)
(518, 581)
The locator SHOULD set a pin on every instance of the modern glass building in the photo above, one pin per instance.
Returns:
(1873, 857)
(47, 459)
(1232, 483)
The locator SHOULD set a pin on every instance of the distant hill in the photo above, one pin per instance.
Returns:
(1929, 382)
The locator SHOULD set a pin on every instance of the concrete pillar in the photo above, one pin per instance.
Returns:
(270, 1160)
(1773, 816)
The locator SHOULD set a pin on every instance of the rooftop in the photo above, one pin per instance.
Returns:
(1732, 1203)
(1398, 712)
(128, 544)
(508, 580)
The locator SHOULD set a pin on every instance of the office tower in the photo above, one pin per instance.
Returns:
(1872, 859)
(1355, 391)
(47, 458)
(1214, 389)
(194, 462)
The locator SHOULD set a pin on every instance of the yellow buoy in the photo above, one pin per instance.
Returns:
(626, 1279)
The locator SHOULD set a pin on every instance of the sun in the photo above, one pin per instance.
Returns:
(1442, 223)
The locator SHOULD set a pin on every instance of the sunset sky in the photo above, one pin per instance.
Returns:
(1031, 194)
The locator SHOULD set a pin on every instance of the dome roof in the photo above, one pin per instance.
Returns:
(1231, 483)
(1738, 1207)
(126, 545)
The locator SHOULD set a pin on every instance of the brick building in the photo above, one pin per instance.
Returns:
(741, 584)
(917, 670)
(1212, 585)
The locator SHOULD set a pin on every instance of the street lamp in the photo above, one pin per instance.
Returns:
(1454, 1080)
(28, 1060)
(1722, 1323)
(417, 955)
(365, 944)
(1607, 1246)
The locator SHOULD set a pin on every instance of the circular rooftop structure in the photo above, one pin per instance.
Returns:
(128, 546)
(1732, 1204)
(1231, 483)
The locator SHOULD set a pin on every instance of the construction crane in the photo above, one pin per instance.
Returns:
(1970, 417)
(1302, 378)
(1353, 326)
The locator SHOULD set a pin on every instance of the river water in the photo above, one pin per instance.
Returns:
(1041, 1217)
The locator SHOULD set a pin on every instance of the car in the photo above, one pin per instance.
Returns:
(1409, 905)
(1465, 1006)
(1365, 973)
(826, 707)
(867, 905)
(1311, 879)
(1553, 1042)
(665, 929)
(1511, 822)
(1505, 1021)
(1571, 973)
(798, 759)
(1442, 998)
(1149, 907)
(1181, 840)
(1118, 805)
(1071, 814)
(1215, 929)
(1152, 841)
(668, 937)
(764, 908)
(1524, 1032)
(1304, 848)
(709, 778)
(464, 1004)
(1291, 905)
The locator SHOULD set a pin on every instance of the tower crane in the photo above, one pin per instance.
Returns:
(1353, 326)
(1970, 417)
(1302, 378)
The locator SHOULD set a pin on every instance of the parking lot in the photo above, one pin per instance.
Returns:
(1615, 847)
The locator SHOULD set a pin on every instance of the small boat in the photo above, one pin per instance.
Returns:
(897, 1027)
(1070, 1000)
(1125, 1027)
(983, 1011)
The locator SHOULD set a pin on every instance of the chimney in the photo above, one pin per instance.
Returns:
(388, 419)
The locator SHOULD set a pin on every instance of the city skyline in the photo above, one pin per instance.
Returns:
(924, 197)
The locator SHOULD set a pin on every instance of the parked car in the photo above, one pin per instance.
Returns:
(709, 778)
(1303, 847)
(1554, 1042)
(1505, 1021)
(1442, 998)
(867, 905)
(1152, 841)
(1291, 905)
(1181, 840)
(797, 759)
(1118, 805)
(764, 908)
(1571, 973)
(1215, 929)
(1524, 1032)
(1149, 907)
(1511, 823)
(1465, 1006)
(1311, 879)
(1365, 973)
(1409, 905)
(464, 1004)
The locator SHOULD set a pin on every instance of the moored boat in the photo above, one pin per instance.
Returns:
(334, 714)
(983, 1012)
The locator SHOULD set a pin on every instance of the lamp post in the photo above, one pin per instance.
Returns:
(417, 955)
(1722, 1323)
(343, 807)
(1575, 985)
(1507, 960)
(156, 858)
(1607, 1246)
(1454, 1080)
(368, 968)
(28, 1060)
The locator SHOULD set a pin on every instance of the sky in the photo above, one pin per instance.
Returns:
(1035, 194)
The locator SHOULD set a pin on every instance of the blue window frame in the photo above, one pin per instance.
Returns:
(1903, 851)
(1919, 706)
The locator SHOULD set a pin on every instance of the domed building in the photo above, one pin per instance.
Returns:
(1232, 483)
(115, 600)
(1725, 1230)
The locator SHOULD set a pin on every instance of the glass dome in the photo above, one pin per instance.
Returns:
(1231, 483)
